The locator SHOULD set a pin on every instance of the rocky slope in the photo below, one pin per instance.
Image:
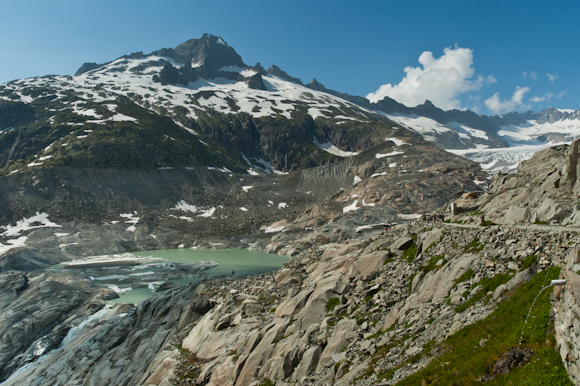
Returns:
(118, 345)
(191, 147)
(364, 310)
(372, 310)
(544, 190)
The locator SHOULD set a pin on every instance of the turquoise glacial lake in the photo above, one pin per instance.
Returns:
(141, 279)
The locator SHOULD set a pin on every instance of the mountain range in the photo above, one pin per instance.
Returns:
(205, 79)
(189, 147)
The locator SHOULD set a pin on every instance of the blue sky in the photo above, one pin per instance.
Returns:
(489, 56)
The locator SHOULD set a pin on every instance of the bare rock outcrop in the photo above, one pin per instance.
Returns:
(544, 190)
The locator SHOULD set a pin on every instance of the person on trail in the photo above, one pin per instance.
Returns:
(482, 219)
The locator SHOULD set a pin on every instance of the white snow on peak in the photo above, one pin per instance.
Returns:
(232, 69)
(130, 218)
(13, 243)
(430, 129)
(133, 78)
(253, 172)
(466, 130)
(248, 73)
(221, 41)
(420, 124)
(529, 132)
(357, 179)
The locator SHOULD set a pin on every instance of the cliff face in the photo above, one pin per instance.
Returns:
(567, 317)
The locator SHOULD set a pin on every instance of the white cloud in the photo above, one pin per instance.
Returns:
(552, 77)
(497, 106)
(441, 80)
(545, 97)
(531, 74)
(490, 79)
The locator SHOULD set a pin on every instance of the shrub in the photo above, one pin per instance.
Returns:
(332, 303)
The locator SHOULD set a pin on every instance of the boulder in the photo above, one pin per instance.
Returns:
(343, 334)
(402, 243)
(308, 363)
(426, 239)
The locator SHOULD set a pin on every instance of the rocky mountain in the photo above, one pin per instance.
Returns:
(190, 147)
(497, 143)
(147, 131)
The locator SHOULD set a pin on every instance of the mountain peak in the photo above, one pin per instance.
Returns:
(210, 50)
(316, 85)
(277, 71)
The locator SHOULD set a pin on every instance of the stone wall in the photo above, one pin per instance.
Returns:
(567, 318)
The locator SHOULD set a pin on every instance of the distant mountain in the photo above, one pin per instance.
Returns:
(200, 82)
(476, 136)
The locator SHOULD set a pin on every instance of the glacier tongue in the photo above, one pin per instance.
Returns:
(505, 159)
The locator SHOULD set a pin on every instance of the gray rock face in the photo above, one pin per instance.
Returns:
(120, 346)
(25, 259)
(567, 316)
(35, 312)
(402, 243)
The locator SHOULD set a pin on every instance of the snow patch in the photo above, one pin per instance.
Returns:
(269, 229)
(413, 216)
(393, 153)
(13, 243)
(207, 213)
(351, 207)
(397, 141)
(185, 207)
(39, 220)
(330, 148)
